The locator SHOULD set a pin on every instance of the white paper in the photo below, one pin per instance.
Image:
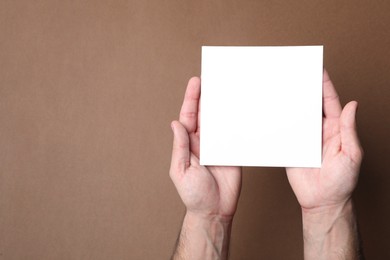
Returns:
(261, 106)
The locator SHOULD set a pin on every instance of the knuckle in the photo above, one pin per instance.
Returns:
(188, 114)
(180, 145)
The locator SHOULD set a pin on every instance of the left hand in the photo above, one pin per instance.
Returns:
(331, 185)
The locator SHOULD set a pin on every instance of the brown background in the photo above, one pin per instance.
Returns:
(87, 93)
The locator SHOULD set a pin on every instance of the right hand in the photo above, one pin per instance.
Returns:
(207, 192)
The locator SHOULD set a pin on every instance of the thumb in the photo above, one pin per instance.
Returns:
(180, 151)
(350, 144)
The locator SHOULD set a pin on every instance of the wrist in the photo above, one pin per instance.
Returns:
(215, 227)
(330, 232)
(319, 222)
(327, 210)
(209, 218)
(205, 236)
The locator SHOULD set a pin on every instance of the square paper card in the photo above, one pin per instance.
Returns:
(261, 106)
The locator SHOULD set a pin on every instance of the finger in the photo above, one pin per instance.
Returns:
(181, 150)
(199, 115)
(332, 106)
(349, 138)
(189, 109)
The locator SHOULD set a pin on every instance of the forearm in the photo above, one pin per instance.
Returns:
(331, 233)
(203, 238)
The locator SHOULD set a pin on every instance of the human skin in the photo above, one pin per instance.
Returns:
(325, 194)
(211, 194)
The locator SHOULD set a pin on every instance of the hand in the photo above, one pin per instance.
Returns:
(333, 183)
(211, 191)
(329, 222)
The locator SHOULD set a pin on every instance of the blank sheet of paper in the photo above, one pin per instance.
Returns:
(261, 106)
